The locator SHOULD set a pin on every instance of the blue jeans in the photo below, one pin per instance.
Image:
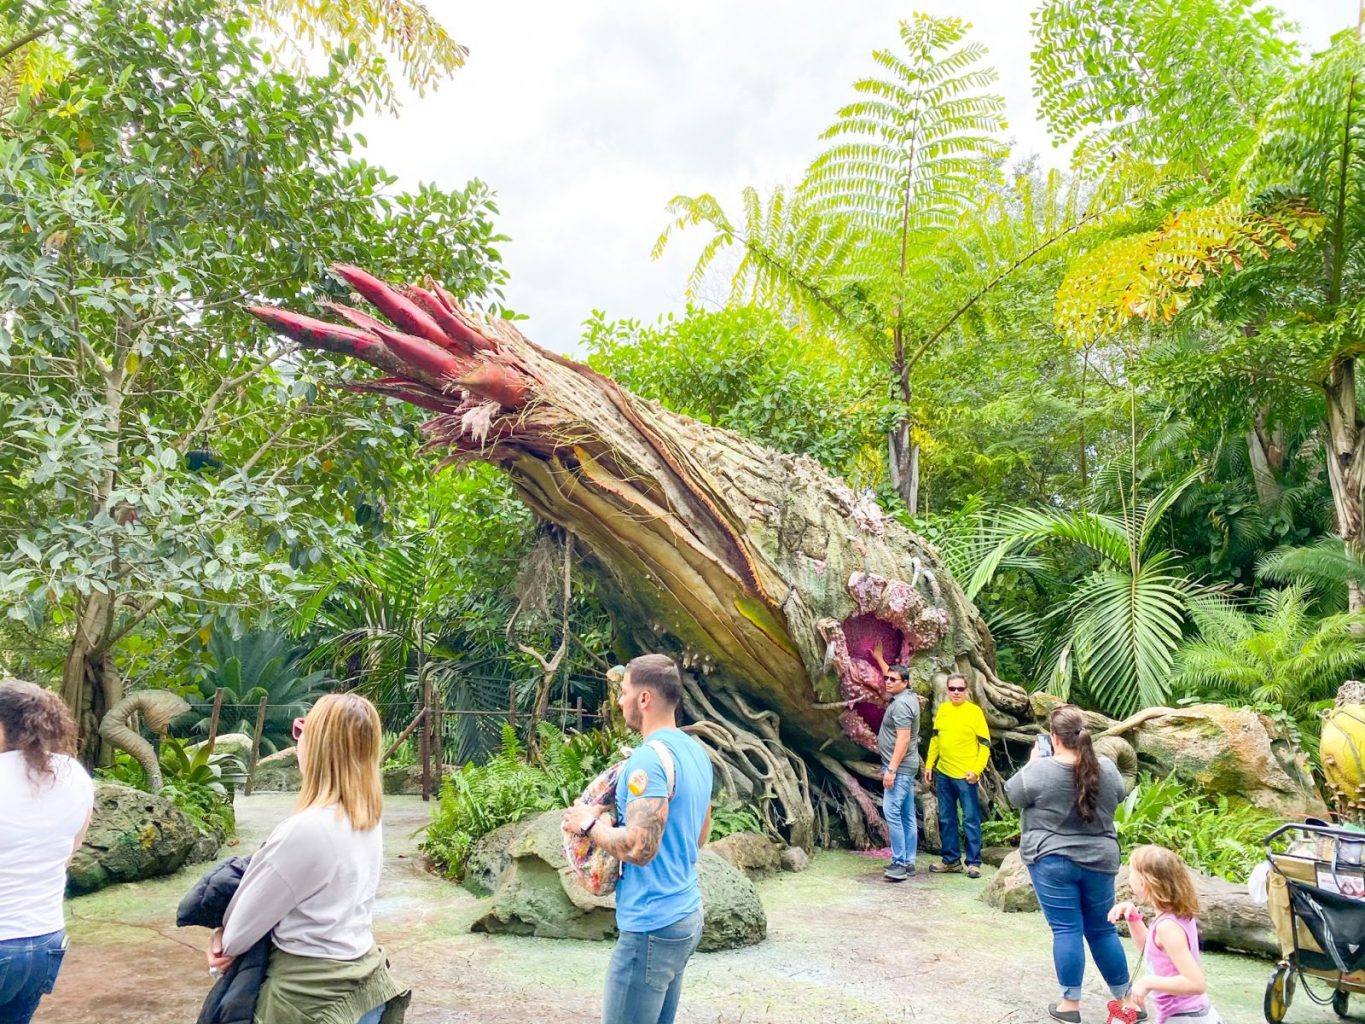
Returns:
(28, 970)
(374, 1016)
(953, 793)
(644, 978)
(1076, 902)
(898, 804)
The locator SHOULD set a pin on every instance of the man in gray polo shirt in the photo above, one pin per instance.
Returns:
(898, 745)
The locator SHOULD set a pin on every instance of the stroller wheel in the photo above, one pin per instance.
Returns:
(1279, 991)
(1341, 1001)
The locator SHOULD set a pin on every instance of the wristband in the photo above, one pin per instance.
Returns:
(1133, 915)
(591, 825)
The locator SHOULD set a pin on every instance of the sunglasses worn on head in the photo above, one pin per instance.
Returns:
(298, 729)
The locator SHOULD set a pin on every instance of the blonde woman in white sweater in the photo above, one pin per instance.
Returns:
(312, 885)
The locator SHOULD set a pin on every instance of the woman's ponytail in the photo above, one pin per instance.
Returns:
(1068, 724)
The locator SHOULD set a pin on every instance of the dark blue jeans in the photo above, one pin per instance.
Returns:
(28, 970)
(953, 793)
(1076, 902)
(644, 978)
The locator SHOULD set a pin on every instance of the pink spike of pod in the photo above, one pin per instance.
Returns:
(470, 340)
(355, 316)
(498, 383)
(422, 354)
(316, 333)
(404, 313)
(411, 395)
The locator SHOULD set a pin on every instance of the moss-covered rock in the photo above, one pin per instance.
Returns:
(133, 835)
(535, 892)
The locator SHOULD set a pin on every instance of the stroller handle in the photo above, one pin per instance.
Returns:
(1321, 830)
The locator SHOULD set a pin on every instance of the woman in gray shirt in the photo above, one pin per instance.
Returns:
(311, 886)
(1071, 849)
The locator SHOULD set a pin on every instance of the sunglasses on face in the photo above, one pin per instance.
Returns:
(957, 689)
(298, 729)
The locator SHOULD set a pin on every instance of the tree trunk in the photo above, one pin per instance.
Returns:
(1265, 446)
(90, 680)
(903, 453)
(1346, 463)
(770, 581)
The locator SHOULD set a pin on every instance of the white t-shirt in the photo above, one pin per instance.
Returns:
(38, 825)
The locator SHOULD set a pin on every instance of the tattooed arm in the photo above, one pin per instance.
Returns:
(637, 841)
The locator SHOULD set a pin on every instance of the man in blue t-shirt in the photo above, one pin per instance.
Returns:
(658, 902)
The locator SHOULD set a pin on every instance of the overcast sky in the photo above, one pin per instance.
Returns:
(587, 117)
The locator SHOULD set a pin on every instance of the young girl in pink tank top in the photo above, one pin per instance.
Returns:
(1169, 943)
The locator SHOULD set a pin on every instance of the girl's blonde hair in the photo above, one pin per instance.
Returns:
(341, 766)
(1170, 889)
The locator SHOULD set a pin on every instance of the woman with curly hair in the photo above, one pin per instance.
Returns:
(45, 803)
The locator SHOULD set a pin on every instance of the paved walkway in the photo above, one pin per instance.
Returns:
(843, 948)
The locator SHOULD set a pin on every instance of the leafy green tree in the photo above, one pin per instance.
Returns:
(159, 450)
(29, 58)
(1282, 287)
(1276, 652)
(872, 245)
(742, 368)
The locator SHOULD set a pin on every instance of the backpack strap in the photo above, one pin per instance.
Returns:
(666, 756)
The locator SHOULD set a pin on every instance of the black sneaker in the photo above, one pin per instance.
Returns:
(1065, 1016)
(896, 873)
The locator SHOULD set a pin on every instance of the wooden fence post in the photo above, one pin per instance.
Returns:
(256, 746)
(438, 731)
(213, 719)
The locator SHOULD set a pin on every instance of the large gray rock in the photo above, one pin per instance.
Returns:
(406, 780)
(754, 854)
(490, 856)
(1010, 888)
(795, 859)
(1230, 751)
(133, 835)
(278, 773)
(535, 892)
(734, 913)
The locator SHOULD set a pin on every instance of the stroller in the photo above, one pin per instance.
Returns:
(1317, 906)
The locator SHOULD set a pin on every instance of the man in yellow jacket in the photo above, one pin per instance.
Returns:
(958, 752)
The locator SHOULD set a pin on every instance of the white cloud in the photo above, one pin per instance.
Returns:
(587, 117)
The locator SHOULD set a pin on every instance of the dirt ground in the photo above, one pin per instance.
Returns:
(842, 946)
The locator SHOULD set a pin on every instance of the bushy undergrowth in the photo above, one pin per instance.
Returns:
(199, 783)
(1213, 835)
(729, 816)
(507, 787)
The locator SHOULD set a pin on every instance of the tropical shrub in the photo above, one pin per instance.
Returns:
(508, 787)
(729, 816)
(199, 783)
(1214, 835)
(1276, 654)
(246, 668)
